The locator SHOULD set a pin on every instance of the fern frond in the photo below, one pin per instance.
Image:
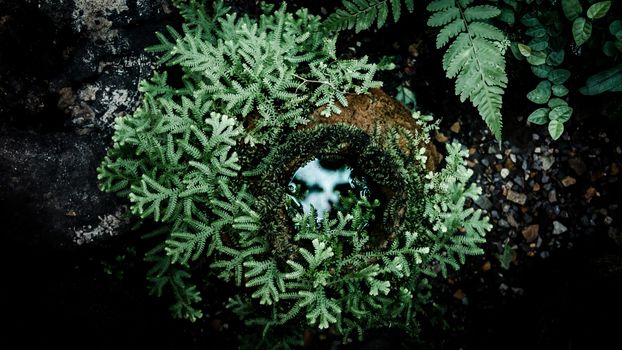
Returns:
(475, 57)
(362, 14)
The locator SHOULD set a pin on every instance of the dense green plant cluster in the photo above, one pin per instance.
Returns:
(205, 158)
(542, 32)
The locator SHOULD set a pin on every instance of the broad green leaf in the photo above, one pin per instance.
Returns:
(572, 8)
(556, 102)
(536, 58)
(539, 44)
(609, 48)
(608, 80)
(541, 71)
(615, 28)
(524, 50)
(530, 20)
(561, 113)
(536, 32)
(555, 58)
(581, 30)
(541, 93)
(540, 116)
(559, 76)
(598, 10)
(559, 90)
(507, 16)
(556, 129)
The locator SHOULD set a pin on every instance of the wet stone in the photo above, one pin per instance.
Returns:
(558, 228)
(578, 165)
(547, 162)
(518, 198)
(483, 202)
(553, 196)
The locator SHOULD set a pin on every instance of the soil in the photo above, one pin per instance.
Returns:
(550, 278)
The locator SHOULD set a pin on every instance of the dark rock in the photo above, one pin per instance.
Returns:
(72, 68)
(49, 191)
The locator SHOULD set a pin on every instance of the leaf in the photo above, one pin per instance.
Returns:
(541, 71)
(608, 80)
(536, 58)
(572, 9)
(559, 90)
(559, 76)
(541, 93)
(556, 102)
(598, 10)
(615, 28)
(540, 116)
(556, 128)
(581, 30)
(555, 58)
(506, 257)
(561, 113)
(525, 50)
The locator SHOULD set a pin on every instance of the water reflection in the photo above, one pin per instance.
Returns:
(322, 184)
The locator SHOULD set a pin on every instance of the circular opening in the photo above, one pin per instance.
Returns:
(327, 185)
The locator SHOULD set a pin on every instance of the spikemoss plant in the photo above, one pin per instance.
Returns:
(210, 161)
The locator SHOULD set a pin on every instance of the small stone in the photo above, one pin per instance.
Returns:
(544, 254)
(590, 193)
(71, 213)
(485, 162)
(535, 187)
(535, 137)
(455, 127)
(547, 162)
(512, 221)
(518, 198)
(537, 150)
(504, 173)
(608, 220)
(483, 202)
(531, 233)
(486, 267)
(513, 157)
(440, 137)
(459, 294)
(615, 169)
(503, 223)
(552, 196)
(558, 228)
(578, 165)
(568, 181)
(545, 178)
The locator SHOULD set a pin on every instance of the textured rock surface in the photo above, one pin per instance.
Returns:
(68, 68)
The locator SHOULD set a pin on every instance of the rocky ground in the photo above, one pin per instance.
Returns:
(551, 276)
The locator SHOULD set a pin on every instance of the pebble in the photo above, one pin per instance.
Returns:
(483, 202)
(518, 198)
(577, 165)
(558, 228)
(568, 181)
(499, 156)
(531, 233)
(455, 127)
(608, 220)
(485, 162)
(552, 196)
(547, 162)
(504, 173)
(513, 157)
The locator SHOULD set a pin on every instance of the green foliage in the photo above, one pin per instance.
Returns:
(543, 32)
(182, 161)
(361, 14)
(475, 56)
(278, 66)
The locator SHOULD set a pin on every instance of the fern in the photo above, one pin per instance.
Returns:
(475, 56)
(361, 14)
